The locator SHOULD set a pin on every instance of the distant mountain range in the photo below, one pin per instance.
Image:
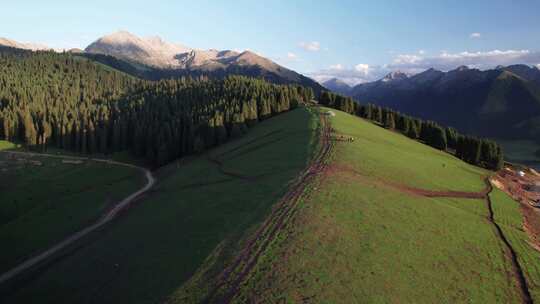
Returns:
(154, 58)
(338, 86)
(502, 103)
(24, 46)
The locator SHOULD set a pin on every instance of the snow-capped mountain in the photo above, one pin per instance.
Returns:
(394, 76)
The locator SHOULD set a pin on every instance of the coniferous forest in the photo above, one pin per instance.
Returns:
(73, 103)
(61, 100)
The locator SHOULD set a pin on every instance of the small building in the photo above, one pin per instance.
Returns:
(330, 113)
(521, 173)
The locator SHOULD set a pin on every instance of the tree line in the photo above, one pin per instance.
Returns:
(69, 102)
(477, 151)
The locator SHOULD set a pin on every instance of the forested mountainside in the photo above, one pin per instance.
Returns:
(73, 103)
(153, 58)
(502, 103)
(278, 76)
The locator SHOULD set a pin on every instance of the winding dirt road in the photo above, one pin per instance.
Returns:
(107, 217)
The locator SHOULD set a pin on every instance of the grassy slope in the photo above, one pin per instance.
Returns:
(194, 213)
(359, 240)
(40, 205)
(507, 214)
(5, 145)
(380, 154)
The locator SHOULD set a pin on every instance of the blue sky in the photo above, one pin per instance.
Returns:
(354, 40)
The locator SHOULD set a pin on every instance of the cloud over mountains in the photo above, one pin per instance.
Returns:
(418, 62)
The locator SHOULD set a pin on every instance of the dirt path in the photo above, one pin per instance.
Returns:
(234, 275)
(358, 176)
(107, 217)
(517, 271)
(516, 267)
(218, 159)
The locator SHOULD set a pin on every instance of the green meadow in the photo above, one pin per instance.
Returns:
(193, 218)
(43, 200)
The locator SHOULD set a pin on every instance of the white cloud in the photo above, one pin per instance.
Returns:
(407, 59)
(359, 73)
(336, 67)
(538, 66)
(291, 56)
(416, 63)
(421, 52)
(480, 60)
(312, 46)
(362, 68)
(475, 35)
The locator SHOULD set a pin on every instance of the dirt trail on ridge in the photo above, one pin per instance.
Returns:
(234, 275)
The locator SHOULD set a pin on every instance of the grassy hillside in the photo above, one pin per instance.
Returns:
(367, 233)
(43, 200)
(387, 220)
(196, 214)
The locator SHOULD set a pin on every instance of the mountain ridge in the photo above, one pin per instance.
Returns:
(154, 58)
(503, 102)
(172, 59)
(25, 46)
(337, 85)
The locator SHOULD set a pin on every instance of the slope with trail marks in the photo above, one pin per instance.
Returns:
(191, 221)
(231, 278)
(517, 271)
(435, 225)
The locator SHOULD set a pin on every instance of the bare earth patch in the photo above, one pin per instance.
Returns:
(509, 180)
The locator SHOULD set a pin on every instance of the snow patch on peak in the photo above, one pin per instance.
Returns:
(393, 76)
